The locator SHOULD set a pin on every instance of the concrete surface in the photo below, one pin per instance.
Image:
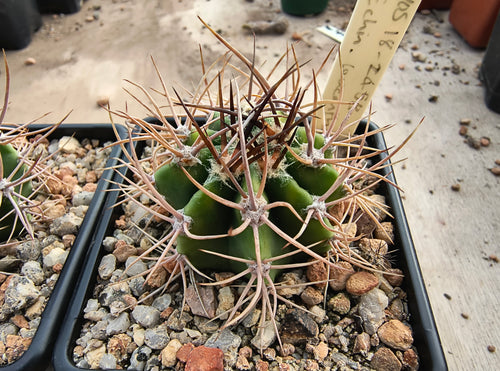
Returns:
(82, 57)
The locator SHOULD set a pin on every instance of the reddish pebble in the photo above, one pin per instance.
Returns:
(183, 353)
(203, 358)
(396, 335)
(385, 360)
(339, 273)
(317, 272)
(361, 282)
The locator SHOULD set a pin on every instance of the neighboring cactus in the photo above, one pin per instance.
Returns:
(250, 190)
(18, 168)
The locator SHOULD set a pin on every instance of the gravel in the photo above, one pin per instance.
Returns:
(26, 289)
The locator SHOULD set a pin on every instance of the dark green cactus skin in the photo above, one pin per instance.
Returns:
(10, 160)
(209, 217)
(294, 183)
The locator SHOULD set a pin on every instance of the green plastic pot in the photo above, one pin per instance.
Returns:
(303, 7)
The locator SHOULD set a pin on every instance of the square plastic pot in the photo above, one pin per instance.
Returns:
(38, 355)
(425, 335)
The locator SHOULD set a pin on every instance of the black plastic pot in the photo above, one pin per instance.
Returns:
(38, 355)
(59, 6)
(426, 338)
(490, 73)
(18, 20)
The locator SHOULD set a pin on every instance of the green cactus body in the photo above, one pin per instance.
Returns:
(208, 217)
(243, 245)
(317, 180)
(283, 187)
(173, 183)
(296, 184)
(10, 159)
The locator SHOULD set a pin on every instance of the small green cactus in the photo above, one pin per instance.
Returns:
(251, 188)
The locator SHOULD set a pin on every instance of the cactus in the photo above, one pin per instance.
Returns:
(18, 169)
(250, 189)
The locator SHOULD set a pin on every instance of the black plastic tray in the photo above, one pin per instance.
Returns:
(38, 355)
(425, 334)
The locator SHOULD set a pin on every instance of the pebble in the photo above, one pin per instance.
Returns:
(361, 282)
(385, 360)
(138, 334)
(134, 266)
(98, 331)
(162, 302)
(317, 272)
(36, 309)
(265, 336)
(298, 327)
(225, 340)
(495, 171)
(484, 141)
(319, 314)
(55, 256)
(137, 286)
(33, 270)
(410, 360)
(362, 344)
(201, 300)
(93, 357)
(372, 310)
(178, 322)
(292, 284)
(66, 224)
(252, 318)
(396, 335)
(107, 362)
(113, 292)
(226, 302)
(339, 274)
(168, 354)
(107, 266)
(183, 352)
(321, 351)
(30, 61)
(139, 358)
(340, 303)
(119, 345)
(118, 325)
(374, 246)
(203, 358)
(418, 57)
(20, 293)
(29, 250)
(68, 144)
(385, 232)
(157, 337)
(122, 250)
(394, 276)
(146, 316)
(310, 296)
(83, 198)
(6, 329)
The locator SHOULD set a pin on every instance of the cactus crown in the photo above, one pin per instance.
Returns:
(258, 186)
